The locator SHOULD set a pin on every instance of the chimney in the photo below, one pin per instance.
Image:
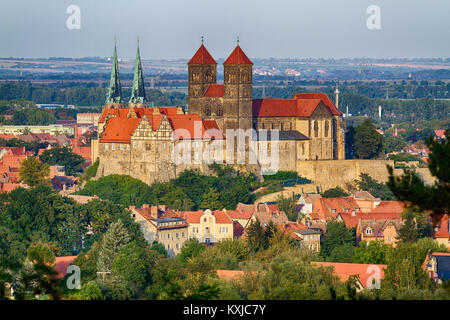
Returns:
(154, 211)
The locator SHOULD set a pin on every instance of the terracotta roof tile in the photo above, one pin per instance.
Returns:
(301, 105)
(238, 57)
(214, 91)
(345, 270)
(61, 264)
(202, 56)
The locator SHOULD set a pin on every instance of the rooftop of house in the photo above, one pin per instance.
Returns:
(345, 270)
(328, 208)
(301, 105)
(443, 228)
(61, 264)
(309, 198)
(378, 226)
(119, 127)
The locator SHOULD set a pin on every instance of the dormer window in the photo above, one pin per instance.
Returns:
(368, 231)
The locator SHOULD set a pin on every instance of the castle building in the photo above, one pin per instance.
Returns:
(140, 141)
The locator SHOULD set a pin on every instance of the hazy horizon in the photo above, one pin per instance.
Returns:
(172, 29)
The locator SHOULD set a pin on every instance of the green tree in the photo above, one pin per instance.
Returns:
(410, 188)
(375, 188)
(288, 206)
(33, 172)
(257, 237)
(120, 189)
(90, 291)
(191, 249)
(408, 232)
(336, 192)
(394, 144)
(63, 156)
(38, 277)
(342, 253)
(368, 143)
(133, 265)
(372, 252)
(115, 238)
(211, 200)
(405, 262)
(337, 234)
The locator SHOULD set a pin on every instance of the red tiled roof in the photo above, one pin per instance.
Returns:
(194, 216)
(322, 96)
(301, 105)
(345, 270)
(237, 214)
(120, 128)
(202, 56)
(214, 91)
(389, 207)
(439, 133)
(85, 152)
(237, 57)
(7, 136)
(61, 264)
(443, 228)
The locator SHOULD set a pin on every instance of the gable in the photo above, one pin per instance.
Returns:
(321, 111)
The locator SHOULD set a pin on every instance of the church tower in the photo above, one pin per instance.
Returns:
(114, 95)
(138, 97)
(202, 69)
(237, 99)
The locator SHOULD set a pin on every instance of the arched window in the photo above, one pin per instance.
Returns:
(208, 111)
(220, 111)
(316, 129)
(327, 127)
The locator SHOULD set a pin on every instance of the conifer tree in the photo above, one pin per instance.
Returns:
(211, 200)
(115, 238)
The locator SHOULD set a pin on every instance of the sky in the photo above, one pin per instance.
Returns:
(171, 29)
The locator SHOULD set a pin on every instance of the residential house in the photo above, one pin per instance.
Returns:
(208, 226)
(67, 184)
(307, 237)
(437, 266)
(305, 203)
(369, 275)
(169, 230)
(441, 233)
(326, 209)
(365, 201)
(384, 230)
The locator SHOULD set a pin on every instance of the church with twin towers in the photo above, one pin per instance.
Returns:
(156, 143)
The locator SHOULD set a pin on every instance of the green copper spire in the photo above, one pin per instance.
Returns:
(138, 90)
(115, 90)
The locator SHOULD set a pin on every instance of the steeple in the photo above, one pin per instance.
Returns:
(138, 90)
(114, 95)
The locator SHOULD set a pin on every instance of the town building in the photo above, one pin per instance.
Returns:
(143, 141)
(208, 226)
(88, 118)
(307, 237)
(437, 266)
(156, 225)
(306, 201)
(369, 276)
(441, 233)
(384, 230)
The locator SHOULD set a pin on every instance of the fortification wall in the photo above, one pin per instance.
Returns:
(328, 174)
